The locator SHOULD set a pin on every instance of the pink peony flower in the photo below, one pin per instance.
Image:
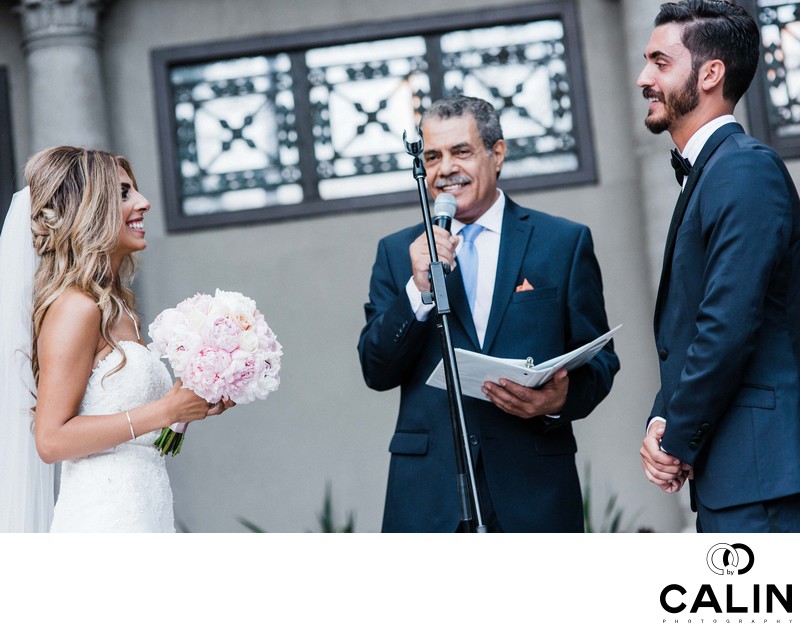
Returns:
(221, 332)
(241, 374)
(163, 329)
(181, 350)
(206, 373)
(198, 302)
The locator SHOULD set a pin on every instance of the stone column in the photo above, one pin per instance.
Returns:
(66, 90)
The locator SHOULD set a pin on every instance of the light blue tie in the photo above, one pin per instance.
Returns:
(468, 261)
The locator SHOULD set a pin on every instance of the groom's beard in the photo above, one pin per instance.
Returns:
(676, 104)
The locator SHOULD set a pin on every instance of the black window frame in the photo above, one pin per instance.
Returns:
(296, 43)
(7, 164)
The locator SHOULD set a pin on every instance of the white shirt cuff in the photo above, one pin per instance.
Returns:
(650, 422)
(420, 309)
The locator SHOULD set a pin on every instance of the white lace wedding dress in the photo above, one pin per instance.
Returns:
(124, 489)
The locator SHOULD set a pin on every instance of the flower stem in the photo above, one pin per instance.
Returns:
(169, 442)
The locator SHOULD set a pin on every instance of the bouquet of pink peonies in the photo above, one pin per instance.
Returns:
(221, 348)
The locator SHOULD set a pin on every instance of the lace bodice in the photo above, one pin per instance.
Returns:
(144, 378)
(126, 488)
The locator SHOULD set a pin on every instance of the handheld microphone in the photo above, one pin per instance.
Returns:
(444, 209)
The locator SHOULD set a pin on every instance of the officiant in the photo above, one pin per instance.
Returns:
(524, 284)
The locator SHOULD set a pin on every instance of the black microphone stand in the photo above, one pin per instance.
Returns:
(469, 503)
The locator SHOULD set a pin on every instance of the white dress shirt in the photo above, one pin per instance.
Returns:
(487, 244)
(699, 138)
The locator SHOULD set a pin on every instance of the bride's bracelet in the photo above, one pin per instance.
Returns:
(128, 416)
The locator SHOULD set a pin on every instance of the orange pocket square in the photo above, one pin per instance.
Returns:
(525, 286)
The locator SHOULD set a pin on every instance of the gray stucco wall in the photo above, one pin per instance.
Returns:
(269, 462)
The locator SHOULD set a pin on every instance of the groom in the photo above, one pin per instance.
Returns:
(727, 318)
(537, 292)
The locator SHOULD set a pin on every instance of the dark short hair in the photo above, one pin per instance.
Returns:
(716, 29)
(486, 117)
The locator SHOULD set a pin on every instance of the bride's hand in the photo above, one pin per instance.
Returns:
(215, 409)
(188, 407)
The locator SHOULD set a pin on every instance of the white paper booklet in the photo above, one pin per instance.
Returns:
(474, 368)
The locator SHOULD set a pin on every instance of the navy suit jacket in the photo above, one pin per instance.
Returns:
(727, 325)
(529, 464)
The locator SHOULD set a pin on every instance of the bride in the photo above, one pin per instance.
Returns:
(101, 397)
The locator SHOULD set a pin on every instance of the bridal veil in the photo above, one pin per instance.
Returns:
(26, 482)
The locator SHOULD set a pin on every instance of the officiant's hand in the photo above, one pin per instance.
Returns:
(524, 402)
(421, 256)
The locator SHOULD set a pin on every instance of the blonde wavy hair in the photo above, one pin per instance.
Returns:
(76, 217)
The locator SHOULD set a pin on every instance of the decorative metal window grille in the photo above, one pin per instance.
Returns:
(308, 123)
(362, 98)
(773, 100)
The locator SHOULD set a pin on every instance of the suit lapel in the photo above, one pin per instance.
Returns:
(514, 237)
(683, 202)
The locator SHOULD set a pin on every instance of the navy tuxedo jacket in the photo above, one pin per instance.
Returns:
(727, 325)
(529, 464)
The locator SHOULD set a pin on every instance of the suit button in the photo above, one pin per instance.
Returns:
(692, 445)
(705, 427)
(473, 439)
(663, 354)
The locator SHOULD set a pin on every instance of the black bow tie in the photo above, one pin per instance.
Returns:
(681, 165)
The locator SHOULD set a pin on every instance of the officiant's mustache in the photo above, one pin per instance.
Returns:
(452, 180)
